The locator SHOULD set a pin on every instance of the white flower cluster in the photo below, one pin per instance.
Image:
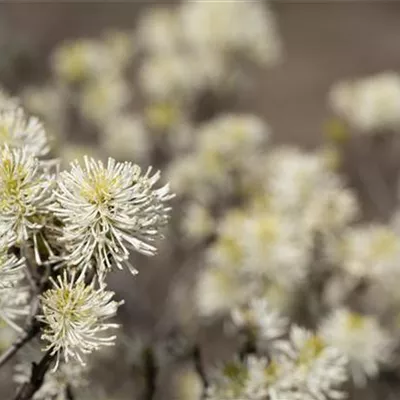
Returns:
(64, 224)
(300, 367)
(271, 241)
(371, 104)
(366, 344)
(225, 146)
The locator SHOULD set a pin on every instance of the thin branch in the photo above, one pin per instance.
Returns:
(69, 394)
(198, 364)
(28, 389)
(27, 336)
(150, 373)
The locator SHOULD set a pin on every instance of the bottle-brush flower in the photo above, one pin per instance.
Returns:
(107, 210)
(24, 193)
(74, 315)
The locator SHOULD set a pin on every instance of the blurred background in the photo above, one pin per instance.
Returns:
(171, 86)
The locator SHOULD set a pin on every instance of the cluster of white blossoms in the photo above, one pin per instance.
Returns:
(371, 251)
(362, 339)
(60, 233)
(303, 366)
(371, 104)
(272, 240)
(225, 146)
(181, 57)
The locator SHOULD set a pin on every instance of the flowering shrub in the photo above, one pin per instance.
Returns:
(275, 247)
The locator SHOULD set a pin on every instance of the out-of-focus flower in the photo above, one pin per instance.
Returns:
(159, 30)
(264, 322)
(218, 291)
(121, 47)
(197, 222)
(370, 104)
(107, 210)
(169, 76)
(24, 194)
(302, 367)
(225, 146)
(303, 186)
(208, 26)
(81, 59)
(361, 339)
(232, 137)
(56, 384)
(19, 130)
(273, 247)
(75, 316)
(371, 251)
(102, 99)
(309, 366)
(124, 137)
(187, 385)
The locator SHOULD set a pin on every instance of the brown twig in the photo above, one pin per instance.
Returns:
(198, 364)
(150, 373)
(27, 336)
(38, 374)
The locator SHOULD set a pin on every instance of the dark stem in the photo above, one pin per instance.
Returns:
(69, 394)
(198, 364)
(150, 373)
(27, 336)
(28, 389)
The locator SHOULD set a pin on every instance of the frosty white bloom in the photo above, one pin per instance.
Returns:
(309, 367)
(361, 339)
(104, 98)
(55, 383)
(75, 316)
(124, 137)
(107, 210)
(370, 104)
(24, 194)
(371, 251)
(159, 30)
(19, 130)
(11, 268)
(208, 25)
(266, 323)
